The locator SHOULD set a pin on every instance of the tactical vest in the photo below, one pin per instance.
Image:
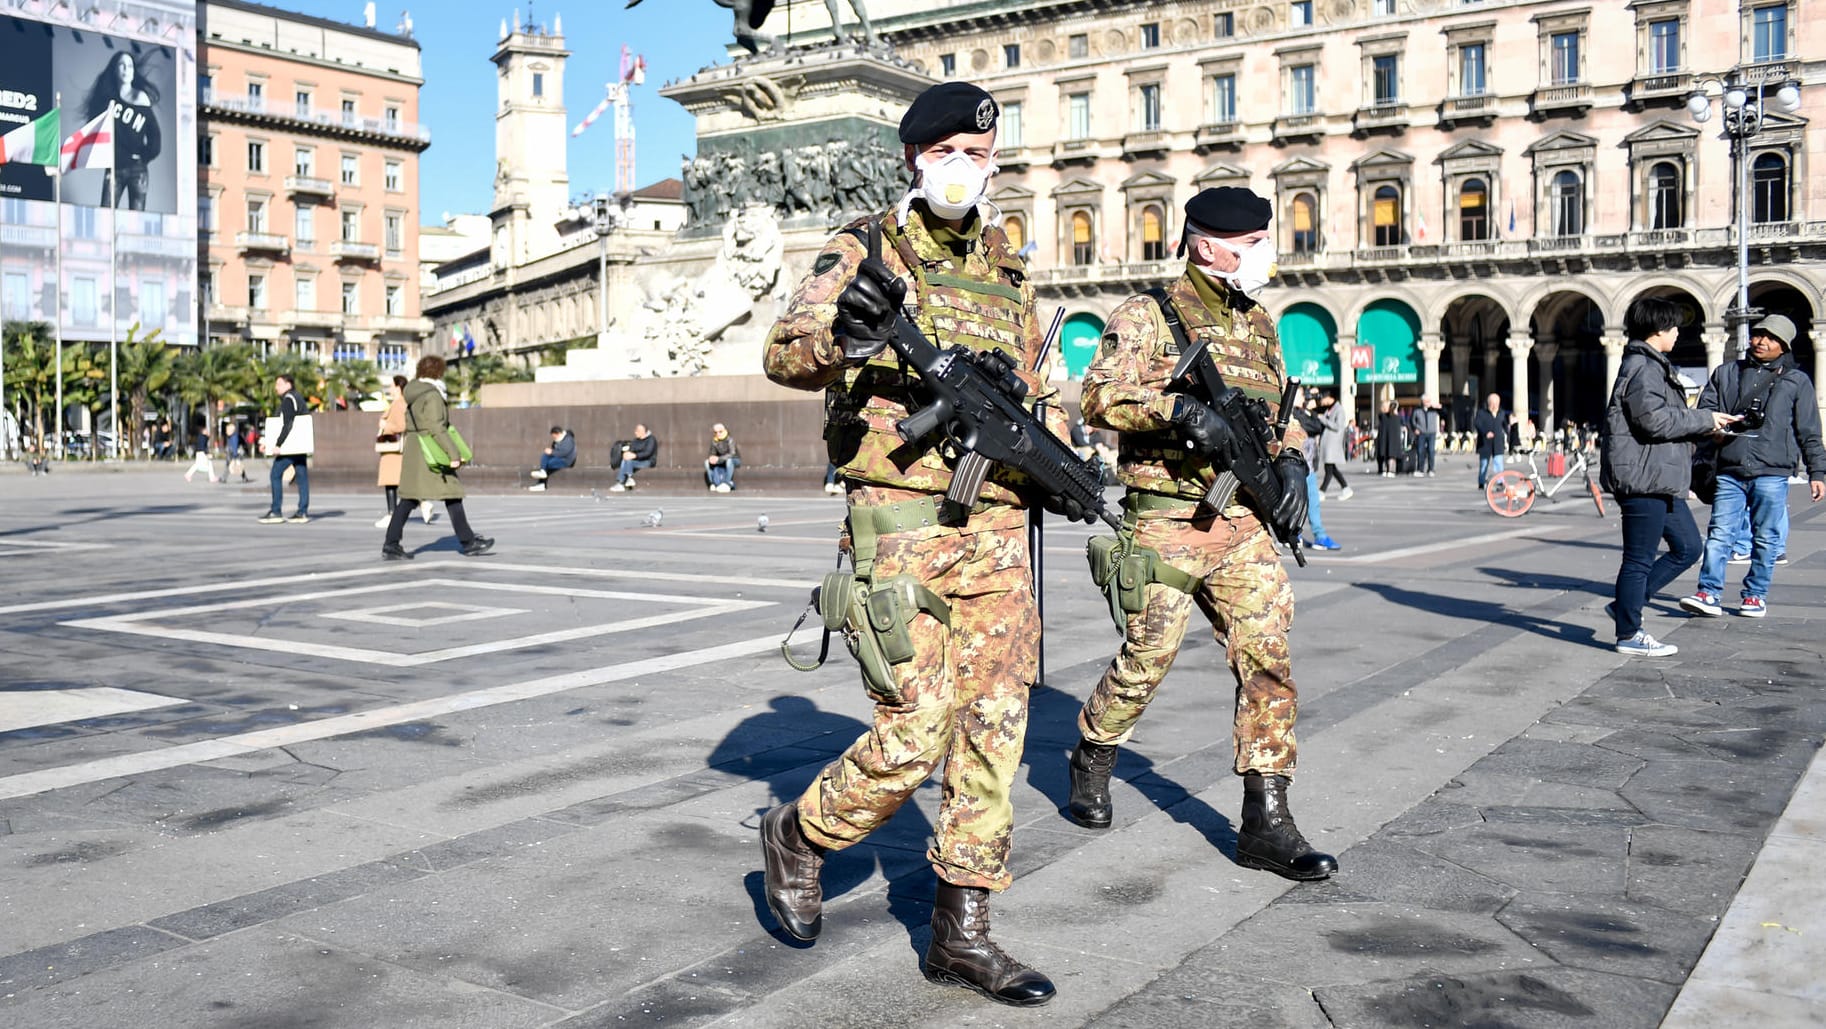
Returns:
(974, 301)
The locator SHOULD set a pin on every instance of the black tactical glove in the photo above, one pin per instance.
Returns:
(1071, 509)
(1204, 429)
(1290, 514)
(866, 310)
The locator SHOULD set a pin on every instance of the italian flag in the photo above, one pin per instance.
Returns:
(35, 142)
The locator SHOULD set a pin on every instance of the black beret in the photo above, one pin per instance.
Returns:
(1228, 209)
(947, 109)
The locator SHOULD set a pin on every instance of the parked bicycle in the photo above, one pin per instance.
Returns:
(1511, 493)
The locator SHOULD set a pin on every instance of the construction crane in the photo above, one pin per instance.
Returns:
(633, 73)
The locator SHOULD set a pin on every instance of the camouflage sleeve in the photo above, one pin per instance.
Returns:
(801, 351)
(1125, 385)
(1295, 439)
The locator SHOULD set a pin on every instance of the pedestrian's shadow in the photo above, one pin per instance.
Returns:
(1053, 732)
(1487, 612)
(787, 746)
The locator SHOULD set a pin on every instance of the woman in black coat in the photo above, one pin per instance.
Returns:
(1389, 442)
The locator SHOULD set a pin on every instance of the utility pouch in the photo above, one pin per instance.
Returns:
(1124, 571)
(874, 620)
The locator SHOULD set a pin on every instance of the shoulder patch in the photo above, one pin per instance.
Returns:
(826, 261)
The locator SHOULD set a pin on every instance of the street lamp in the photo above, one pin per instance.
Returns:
(1744, 105)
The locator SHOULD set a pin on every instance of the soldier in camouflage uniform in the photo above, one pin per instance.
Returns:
(961, 701)
(1171, 448)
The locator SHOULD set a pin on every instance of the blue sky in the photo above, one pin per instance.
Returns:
(457, 37)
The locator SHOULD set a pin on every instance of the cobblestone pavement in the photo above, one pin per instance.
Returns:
(253, 776)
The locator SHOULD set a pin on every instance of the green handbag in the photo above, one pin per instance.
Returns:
(433, 453)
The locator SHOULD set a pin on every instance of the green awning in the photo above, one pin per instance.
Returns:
(1078, 341)
(1309, 344)
(1393, 330)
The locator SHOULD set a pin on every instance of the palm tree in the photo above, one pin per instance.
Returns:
(146, 366)
(349, 380)
(85, 382)
(211, 376)
(306, 374)
(31, 381)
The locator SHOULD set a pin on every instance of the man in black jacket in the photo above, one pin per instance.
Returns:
(640, 452)
(1779, 428)
(1492, 429)
(1647, 464)
(291, 449)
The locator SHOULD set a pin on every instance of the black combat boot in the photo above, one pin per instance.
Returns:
(962, 954)
(1269, 840)
(1090, 774)
(791, 864)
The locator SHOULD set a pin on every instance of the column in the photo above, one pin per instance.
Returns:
(1716, 338)
(1520, 343)
(1431, 346)
(1544, 353)
(1613, 342)
(1493, 353)
(1347, 376)
(1461, 363)
(1819, 364)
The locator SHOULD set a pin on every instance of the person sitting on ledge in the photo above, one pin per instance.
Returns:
(560, 455)
(640, 452)
(724, 459)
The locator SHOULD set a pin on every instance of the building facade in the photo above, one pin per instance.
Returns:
(1468, 193)
(309, 178)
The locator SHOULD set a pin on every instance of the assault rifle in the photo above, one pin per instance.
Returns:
(1251, 468)
(975, 398)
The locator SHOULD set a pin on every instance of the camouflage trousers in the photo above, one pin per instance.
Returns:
(963, 702)
(1246, 595)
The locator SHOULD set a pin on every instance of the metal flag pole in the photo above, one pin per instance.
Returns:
(57, 293)
(113, 312)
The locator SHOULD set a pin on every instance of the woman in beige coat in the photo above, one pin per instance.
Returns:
(389, 444)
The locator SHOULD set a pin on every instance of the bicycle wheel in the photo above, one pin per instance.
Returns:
(1597, 496)
(1510, 493)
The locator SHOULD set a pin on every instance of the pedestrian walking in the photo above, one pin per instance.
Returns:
(290, 438)
(1173, 447)
(1426, 436)
(1491, 426)
(1391, 441)
(200, 461)
(1646, 462)
(430, 473)
(1332, 449)
(389, 444)
(1778, 427)
(966, 624)
(1308, 416)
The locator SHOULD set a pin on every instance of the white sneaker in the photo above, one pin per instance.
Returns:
(1346, 493)
(539, 473)
(425, 512)
(383, 521)
(537, 487)
(1644, 645)
(721, 487)
(617, 488)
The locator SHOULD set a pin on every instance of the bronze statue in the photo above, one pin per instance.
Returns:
(749, 15)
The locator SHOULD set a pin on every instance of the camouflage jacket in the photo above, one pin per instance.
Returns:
(976, 294)
(1125, 386)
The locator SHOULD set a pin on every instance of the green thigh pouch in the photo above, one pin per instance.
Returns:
(1123, 572)
(873, 617)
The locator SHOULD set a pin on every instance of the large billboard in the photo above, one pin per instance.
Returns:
(134, 264)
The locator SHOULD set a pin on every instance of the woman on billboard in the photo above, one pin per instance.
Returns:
(123, 85)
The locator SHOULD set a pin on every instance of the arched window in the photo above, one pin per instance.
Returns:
(1153, 235)
(1473, 210)
(1568, 203)
(1084, 244)
(1385, 216)
(1665, 201)
(1769, 188)
(1015, 228)
(1305, 221)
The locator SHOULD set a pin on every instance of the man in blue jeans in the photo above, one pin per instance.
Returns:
(640, 452)
(291, 449)
(1778, 426)
(1308, 416)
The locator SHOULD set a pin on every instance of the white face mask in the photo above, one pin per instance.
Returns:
(952, 185)
(1256, 266)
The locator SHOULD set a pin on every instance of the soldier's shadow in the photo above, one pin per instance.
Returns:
(1052, 732)
(787, 746)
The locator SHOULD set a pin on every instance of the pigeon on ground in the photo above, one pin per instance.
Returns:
(760, 524)
(654, 517)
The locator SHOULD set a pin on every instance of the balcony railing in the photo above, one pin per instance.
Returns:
(1149, 142)
(262, 241)
(1291, 126)
(155, 246)
(227, 314)
(1074, 149)
(1379, 255)
(1219, 133)
(1382, 113)
(1775, 230)
(41, 236)
(1662, 83)
(311, 319)
(1558, 244)
(1468, 107)
(1563, 96)
(1658, 238)
(243, 104)
(309, 186)
(353, 251)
